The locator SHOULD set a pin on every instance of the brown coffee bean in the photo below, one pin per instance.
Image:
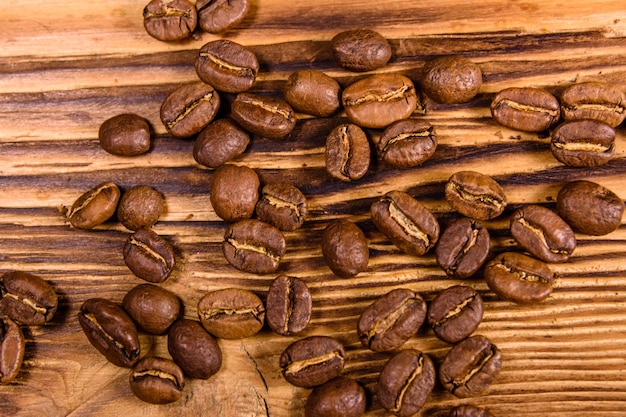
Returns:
(95, 206)
(543, 233)
(125, 135)
(379, 100)
(475, 195)
(282, 205)
(234, 192)
(407, 143)
(312, 361)
(140, 207)
(360, 50)
(344, 248)
(220, 142)
(594, 100)
(406, 222)
(470, 367)
(313, 92)
(215, 16)
(451, 79)
(347, 152)
(170, 20)
(455, 313)
(149, 256)
(526, 109)
(189, 109)
(194, 349)
(391, 320)
(152, 308)
(12, 347)
(269, 117)
(462, 248)
(231, 313)
(227, 66)
(27, 298)
(339, 397)
(519, 278)
(288, 305)
(111, 331)
(583, 143)
(405, 382)
(590, 208)
(254, 246)
(468, 410)
(157, 380)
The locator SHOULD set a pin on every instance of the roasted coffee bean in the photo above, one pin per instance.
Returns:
(152, 308)
(468, 410)
(526, 109)
(220, 142)
(406, 222)
(288, 305)
(27, 298)
(543, 233)
(594, 100)
(269, 117)
(589, 208)
(344, 248)
(234, 192)
(407, 143)
(451, 80)
(215, 16)
(140, 207)
(254, 246)
(347, 152)
(312, 361)
(360, 50)
(470, 366)
(95, 206)
(194, 349)
(157, 380)
(125, 135)
(189, 109)
(111, 331)
(405, 382)
(462, 248)
(313, 92)
(475, 195)
(231, 313)
(12, 347)
(391, 320)
(227, 66)
(282, 205)
(455, 313)
(379, 100)
(149, 256)
(583, 143)
(339, 397)
(170, 20)
(519, 278)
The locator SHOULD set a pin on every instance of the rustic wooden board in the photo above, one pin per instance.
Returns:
(66, 68)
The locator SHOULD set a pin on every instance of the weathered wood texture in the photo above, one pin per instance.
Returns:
(65, 68)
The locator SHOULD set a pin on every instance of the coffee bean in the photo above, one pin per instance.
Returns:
(254, 246)
(157, 380)
(27, 298)
(344, 248)
(451, 79)
(360, 50)
(149, 256)
(140, 207)
(269, 117)
(12, 347)
(215, 16)
(347, 152)
(220, 142)
(406, 222)
(470, 367)
(313, 92)
(468, 410)
(282, 205)
(391, 320)
(125, 135)
(234, 192)
(594, 100)
(379, 100)
(312, 361)
(462, 248)
(194, 349)
(152, 308)
(589, 208)
(526, 109)
(475, 195)
(227, 66)
(339, 397)
(189, 109)
(288, 305)
(170, 20)
(95, 206)
(405, 382)
(543, 233)
(111, 331)
(583, 143)
(455, 313)
(407, 143)
(231, 313)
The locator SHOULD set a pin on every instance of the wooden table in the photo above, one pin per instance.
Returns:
(67, 67)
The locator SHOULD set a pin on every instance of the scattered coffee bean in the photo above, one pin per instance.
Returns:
(462, 248)
(189, 109)
(194, 349)
(347, 152)
(220, 142)
(254, 246)
(227, 66)
(234, 192)
(594, 100)
(288, 305)
(312, 361)
(152, 308)
(157, 380)
(313, 92)
(215, 16)
(455, 313)
(140, 207)
(475, 195)
(282, 205)
(451, 80)
(526, 109)
(231, 313)
(27, 298)
(170, 20)
(468, 410)
(339, 397)
(125, 135)
(269, 117)
(407, 143)
(12, 347)
(149, 256)
(344, 248)
(361, 50)
(95, 206)
(583, 143)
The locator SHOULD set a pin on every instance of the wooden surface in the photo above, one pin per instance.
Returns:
(65, 67)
